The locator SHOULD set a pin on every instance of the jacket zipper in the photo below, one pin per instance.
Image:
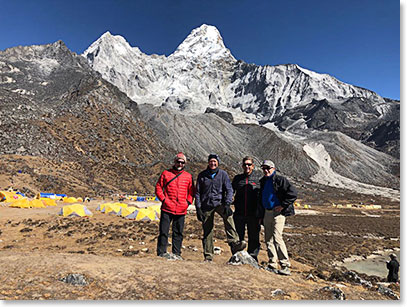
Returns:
(245, 196)
(176, 204)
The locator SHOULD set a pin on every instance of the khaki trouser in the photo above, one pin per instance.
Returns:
(273, 233)
(207, 224)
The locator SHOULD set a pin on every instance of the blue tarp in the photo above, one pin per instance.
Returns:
(52, 195)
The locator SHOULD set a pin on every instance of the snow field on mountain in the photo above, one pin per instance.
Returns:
(327, 176)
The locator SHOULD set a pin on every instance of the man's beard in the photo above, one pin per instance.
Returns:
(179, 168)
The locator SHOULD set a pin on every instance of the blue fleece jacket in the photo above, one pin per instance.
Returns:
(269, 197)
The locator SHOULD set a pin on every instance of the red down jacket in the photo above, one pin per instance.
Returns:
(178, 194)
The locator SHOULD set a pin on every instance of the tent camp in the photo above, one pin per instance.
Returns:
(75, 210)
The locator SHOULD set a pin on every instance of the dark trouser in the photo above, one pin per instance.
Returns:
(177, 230)
(207, 224)
(253, 232)
(392, 278)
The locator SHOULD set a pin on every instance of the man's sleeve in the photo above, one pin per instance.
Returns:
(191, 191)
(260, 209)
(198, 193)
(234, 183)
(159, 187)
(290, 193)
(229, 190)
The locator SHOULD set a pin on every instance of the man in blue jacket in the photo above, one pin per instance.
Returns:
(276, 202)
(214, 193)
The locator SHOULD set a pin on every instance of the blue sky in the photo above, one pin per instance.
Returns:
(356, 41)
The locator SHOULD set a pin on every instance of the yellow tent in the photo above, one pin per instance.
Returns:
(9, 196)
(70, 200)
(36, 203)
(126, 211)
(144, 214)
(21, 203)
(48, 201)
(101, 207)
(156, 208)
(113, 208)
(75, 210)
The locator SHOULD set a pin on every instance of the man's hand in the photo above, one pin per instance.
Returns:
(228, 211)
(199, 214)
(278, 209)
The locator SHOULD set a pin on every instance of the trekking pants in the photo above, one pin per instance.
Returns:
(177, 232)
(207, 224)
(253, 232)
(273, 233)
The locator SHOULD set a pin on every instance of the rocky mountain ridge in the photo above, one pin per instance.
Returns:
(67, 128)
(202, 73)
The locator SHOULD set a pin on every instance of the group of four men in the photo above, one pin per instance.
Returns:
(266, 202)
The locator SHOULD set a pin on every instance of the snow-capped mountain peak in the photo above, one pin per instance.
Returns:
(115, 44)
(202, 73)
(203, 42)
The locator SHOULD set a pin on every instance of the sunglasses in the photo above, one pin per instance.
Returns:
(264, 168)
(247, 164)
(180, 162)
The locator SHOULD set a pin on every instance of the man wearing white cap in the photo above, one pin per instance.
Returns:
(276, 201)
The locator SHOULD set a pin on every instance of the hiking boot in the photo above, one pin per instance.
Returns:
(177, 257)
(271, 269)
(285, 271)
(255, 258)
(238, 246)
(208, 260)
(275, 271)
(165, 255)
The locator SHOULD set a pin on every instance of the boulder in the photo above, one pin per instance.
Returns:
(243, 257)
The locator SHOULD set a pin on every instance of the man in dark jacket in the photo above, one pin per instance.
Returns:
(393, 267)
(246, 187)
(214, 193)
(276, 202)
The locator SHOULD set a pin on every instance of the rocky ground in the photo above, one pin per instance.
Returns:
(116, 258)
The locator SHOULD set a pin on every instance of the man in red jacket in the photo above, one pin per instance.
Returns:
(175, 190)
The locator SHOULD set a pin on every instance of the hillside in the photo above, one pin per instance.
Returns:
(65, 129)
